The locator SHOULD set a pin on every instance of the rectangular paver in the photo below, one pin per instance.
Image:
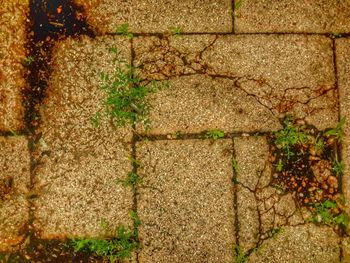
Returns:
(14, 182)
(76, 177)
(12, 52)
(305, 16)
(271, 225)
(185, 201)
(238, 83)
(343, 70)
(154, 16)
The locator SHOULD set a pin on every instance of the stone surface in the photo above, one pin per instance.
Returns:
(238, 83)
(299, 244)
(346, 250)
(79, 163)
(12, 52)
(342, 47)
(14, 182)
(150, 16)
(288, 16)
(262, 208)
(185, 202)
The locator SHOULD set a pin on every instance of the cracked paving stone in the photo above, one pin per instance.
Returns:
(238, 83)
(14, 180)
(300, 244)
(288, 16)
(342, 47)
(78, 163)
(13, 15)
(185, 201)
(151, 16)
(261, 208)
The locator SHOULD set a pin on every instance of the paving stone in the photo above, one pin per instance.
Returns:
(238, 83)
(343, 69)
(13, 15)
(151, 16)
(185, 202)
(299, 244)
(14, 180)
(262, 209)
(346, 250)
(257, 16)
(78, 163)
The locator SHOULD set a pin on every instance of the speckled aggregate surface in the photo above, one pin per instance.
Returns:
(151, 16)
(79, 164)
(12, 52)
(236, 66)
(185, 201)
(14, 175)
(288, 16)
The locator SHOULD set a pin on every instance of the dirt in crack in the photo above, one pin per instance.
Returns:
(306, 164)
(50, 21)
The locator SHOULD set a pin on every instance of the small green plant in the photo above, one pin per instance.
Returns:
(338, 167)
(214, 134)
(274, 232)
(124, 30)
(320, 144)
(290, 136)
(336, 35)
(132, 179)
(324, 214)
(337, 132)
(238, 4)
(114, 248)
(239, 255)
(279, 166)
(177, 31)
(28, 61)
(126, 102)
(235, 165)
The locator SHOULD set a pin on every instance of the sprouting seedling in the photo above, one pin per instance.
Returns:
(124, 30)
(132, 179)
(279, 166)
(338, 167)
(336, 35)
(28, 61)
(177, 31)
(238, 4)
(214, 134)
(235, 165)
(338, 131)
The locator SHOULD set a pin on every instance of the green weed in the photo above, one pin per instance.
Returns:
(28, 61)
(290, 136)
(338, 167)
(240, 256)
(235, 165)
(118, 247)
(126, 96)
(214, 134)
(279, 166)
(177, 31)
(132, 179)
(323, 214)
(336, 35)
(238, 4)
(320, 144)
(124, 30)
(337, 132)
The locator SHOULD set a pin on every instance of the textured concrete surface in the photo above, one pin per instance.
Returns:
(342, 47)
(299, 244)
(14, 182)
(262, 208)
(79, 163)
(185, 202)
(346, 250)
(288, 16)
(12, 52)
(152, 16)
(263, 76)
